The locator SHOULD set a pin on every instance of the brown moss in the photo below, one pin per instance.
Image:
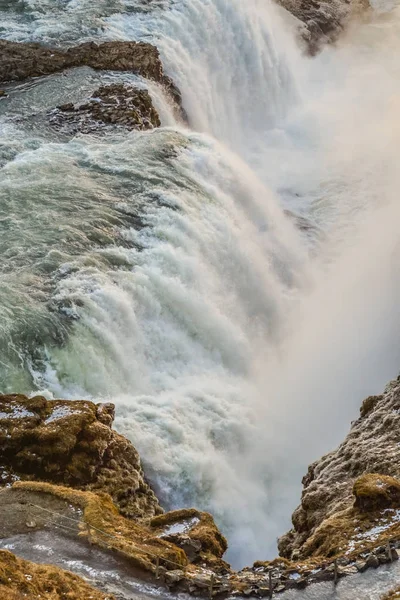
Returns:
(346, 531)
(21, 579)
(108, 529)
(376, 492)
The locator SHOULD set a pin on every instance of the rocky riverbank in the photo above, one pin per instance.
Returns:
(62, 459)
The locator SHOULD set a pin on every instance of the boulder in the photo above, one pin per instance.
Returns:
(110, 105)
(195, 532)
(72, 443)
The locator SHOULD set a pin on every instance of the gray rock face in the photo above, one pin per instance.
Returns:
(372, 446)
(324, 20)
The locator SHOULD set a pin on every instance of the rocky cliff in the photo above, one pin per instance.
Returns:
(63, 458)
(72, 443)
(351, 496)
(324, 20)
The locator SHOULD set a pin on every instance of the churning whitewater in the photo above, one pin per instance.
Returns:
(225, 283)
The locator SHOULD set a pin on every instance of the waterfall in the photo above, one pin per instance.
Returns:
(236, 345)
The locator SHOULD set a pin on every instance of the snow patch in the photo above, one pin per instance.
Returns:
(59, 413)
(180, 527)
(17, 412)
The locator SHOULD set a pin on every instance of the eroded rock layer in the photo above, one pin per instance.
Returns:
(20, 61)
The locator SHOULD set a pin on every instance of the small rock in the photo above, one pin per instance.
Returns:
(31, 523)
(361, 566)
(172, 577)
(66, 107)
(372, 562)
(250, 591)
(3, 94)
(301, 583)
(263, 592)
(323, 575)
(350, 570)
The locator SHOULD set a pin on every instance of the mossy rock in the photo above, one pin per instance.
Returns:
(21, 579)
(72, 443)
(376, 492)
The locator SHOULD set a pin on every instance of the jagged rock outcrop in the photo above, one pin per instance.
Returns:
(22, 579)
(324, 20)
(72, 443)
(196, 533)
(110, 105)
(351, 496)
(20, 61)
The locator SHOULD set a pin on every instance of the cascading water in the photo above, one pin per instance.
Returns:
(161, 271)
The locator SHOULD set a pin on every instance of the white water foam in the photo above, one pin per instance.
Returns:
(235, 354)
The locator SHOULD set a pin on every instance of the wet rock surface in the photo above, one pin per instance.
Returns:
(61, 458)
(20, 61)
(324, 21)
(115, 105)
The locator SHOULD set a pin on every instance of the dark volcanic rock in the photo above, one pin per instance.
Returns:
(109, 105)
(72, 443)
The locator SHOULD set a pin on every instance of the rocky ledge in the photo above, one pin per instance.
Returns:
(20, 61)
(324, 20)
(58, 456)
(64, 457)
(116, 105)
(73, 444)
